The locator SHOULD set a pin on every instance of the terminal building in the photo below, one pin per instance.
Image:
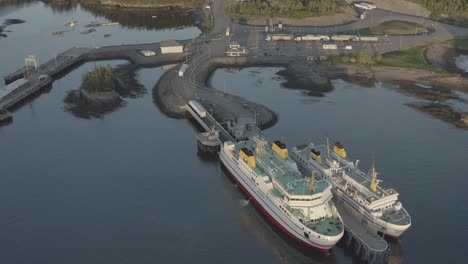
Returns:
(171, 46)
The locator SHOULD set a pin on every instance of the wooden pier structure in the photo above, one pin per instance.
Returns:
(43, 75)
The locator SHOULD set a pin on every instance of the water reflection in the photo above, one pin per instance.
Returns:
(134, 18)
(8, 22)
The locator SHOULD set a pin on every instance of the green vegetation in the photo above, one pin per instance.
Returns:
(449, 11)
(394, 27)
(361, 59)
(407, 58)
(282, 8)
(459, 43)
(101, 79)
(412, 58)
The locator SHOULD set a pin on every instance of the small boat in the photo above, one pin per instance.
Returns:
(57, 33)
(96, 24)
(91, 30)
(107, 35)
(71, 23)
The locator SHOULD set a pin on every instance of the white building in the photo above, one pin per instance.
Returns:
(171, 46)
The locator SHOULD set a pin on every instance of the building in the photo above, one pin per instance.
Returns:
(171, 46)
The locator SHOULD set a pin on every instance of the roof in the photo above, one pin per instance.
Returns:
(170, 43)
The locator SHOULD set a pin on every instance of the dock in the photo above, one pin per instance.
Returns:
(370, 248)
(42, 75)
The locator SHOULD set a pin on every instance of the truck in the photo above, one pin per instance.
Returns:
(365, 6)
(274, 37)
(147, 53)
(343, 37)
(330, 46)
(309, 37)
(182, 70)
(197, 108)
(368, 38)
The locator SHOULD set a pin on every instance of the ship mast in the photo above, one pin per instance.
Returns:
(260, 147)
(312, 182)
(374, 181)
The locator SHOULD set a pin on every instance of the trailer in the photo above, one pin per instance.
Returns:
(197, 108)
(147, 53)
(365, 6)
(309, 38)
(330, 46)
(182, 70)
(368, 38)
(274, 37)
(343, 37)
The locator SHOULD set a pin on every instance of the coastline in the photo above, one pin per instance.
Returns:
(170, 103)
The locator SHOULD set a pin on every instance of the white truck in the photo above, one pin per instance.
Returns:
(147, 53)
(330, 46)
(182, 70)
(365, 6)
(274, 37)
(309, 38)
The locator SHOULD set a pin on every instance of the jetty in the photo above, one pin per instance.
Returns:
(34, 76)
(370, 248)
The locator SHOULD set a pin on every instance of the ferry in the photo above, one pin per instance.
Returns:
(374, 206)
(300, 206)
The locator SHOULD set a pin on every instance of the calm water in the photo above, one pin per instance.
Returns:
(421, 157)
(129, 187)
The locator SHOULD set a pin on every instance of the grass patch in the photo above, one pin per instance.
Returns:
(395, 27)
(459, 43)
(407, 58)
(412, 58)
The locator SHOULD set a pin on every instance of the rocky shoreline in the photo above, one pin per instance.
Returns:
(315, 79)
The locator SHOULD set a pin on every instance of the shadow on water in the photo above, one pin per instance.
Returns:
(9, 22)
(267, 234)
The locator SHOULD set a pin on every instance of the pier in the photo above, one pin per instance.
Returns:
(32, 79)
(370, 248)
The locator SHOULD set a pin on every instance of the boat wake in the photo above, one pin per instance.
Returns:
(244, 203)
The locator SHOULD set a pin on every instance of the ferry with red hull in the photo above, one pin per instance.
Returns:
(300, 206)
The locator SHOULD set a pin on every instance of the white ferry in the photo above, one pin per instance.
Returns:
(372, 205)
(301, 207)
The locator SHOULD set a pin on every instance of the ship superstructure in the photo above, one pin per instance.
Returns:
(300, 206)
(375, 206)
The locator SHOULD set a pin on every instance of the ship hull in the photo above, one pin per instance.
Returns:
(373, 225)
(268, 209)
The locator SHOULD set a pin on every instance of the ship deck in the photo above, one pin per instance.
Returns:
(291, 181)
